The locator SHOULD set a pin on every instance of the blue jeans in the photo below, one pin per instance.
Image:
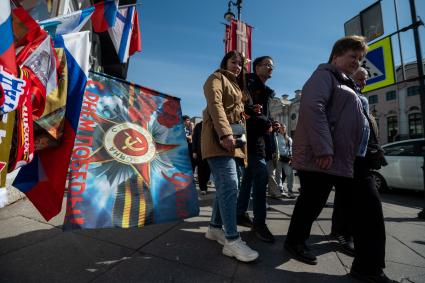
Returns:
(225, 174)
(289, 173)
(255, 177)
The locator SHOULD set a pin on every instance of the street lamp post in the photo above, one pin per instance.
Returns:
(229, 15)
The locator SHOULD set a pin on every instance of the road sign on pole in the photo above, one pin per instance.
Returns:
(367, 23)
(379, 64)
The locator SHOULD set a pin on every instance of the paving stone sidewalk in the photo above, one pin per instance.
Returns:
(33, 250)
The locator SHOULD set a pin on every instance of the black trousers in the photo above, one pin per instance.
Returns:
(364, 212)
(340, 217)
(204, 173)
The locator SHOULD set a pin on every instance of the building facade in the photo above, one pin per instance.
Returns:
(396, 108)
(286, 111)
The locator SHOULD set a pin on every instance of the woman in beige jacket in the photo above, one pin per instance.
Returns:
(224, 95)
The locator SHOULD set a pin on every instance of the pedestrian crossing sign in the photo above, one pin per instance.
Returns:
(379, 64)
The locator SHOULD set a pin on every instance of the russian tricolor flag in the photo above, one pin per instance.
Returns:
(43, 180)
(104, 15)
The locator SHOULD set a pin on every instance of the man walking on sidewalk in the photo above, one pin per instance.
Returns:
(258, 125)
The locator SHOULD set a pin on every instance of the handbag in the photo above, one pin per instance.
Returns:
(286, 158)
(375, 155)
(239, 134)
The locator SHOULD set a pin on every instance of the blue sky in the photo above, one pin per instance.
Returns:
(182, 40)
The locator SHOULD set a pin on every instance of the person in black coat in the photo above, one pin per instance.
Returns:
(258, 125)
(202, 165)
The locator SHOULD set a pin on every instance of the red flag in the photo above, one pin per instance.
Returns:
(136, 40)
(238, 37)
(227, 39)
(105, 15)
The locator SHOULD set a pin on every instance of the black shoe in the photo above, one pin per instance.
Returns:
(301, 252)
(346, 244)
(380, 278)
(263, 233)
(244, 220)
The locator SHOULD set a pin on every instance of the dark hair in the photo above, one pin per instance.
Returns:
(351, 42)
(259, 60)
(241, 76)
(185, 117)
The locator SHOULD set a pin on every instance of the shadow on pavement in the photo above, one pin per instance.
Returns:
(171, 252)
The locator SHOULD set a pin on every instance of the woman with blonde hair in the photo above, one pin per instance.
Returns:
(328, 152)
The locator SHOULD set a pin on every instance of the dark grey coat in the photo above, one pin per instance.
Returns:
(330, 122)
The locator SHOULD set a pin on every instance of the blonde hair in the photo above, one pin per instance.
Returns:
(351, 42)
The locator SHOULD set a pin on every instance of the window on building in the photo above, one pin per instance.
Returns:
(373, 99)
(390, 95)
(415, 125)
(413, 90)
(392, 128)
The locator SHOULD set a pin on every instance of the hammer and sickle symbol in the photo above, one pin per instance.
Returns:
(129, 143)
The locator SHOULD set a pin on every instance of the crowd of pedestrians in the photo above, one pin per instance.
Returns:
(331, 148)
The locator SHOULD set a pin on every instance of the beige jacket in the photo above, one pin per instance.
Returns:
(224, 107)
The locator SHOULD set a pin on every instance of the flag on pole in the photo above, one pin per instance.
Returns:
(10, 92)
(69, 23)
(227, 38)
(11, 96)
(40, 65)
(43, 180)
(238, 37)
(136, 38)
(105, 15)
(27, 32)
(7, 48)
(130, 165)
(121, 33)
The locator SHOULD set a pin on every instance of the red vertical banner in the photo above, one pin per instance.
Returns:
(238, 37)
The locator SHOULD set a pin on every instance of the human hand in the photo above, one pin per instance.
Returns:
(194, 155)
(324, 162)
(228, 142)
(257, 108)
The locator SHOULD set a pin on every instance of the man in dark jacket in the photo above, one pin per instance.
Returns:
(258, 125)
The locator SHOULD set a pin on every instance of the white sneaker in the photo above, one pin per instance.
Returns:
(239, 249)
(215, 234)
